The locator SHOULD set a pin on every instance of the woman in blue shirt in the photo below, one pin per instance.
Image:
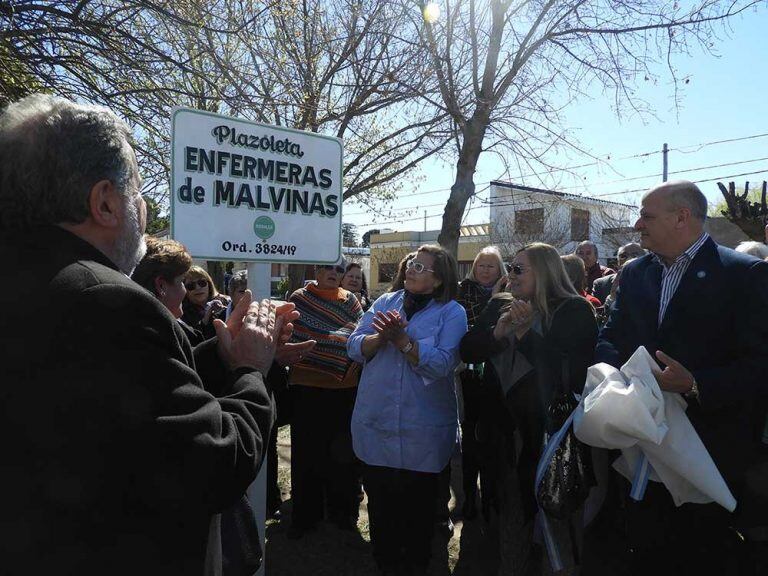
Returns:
(405, 424)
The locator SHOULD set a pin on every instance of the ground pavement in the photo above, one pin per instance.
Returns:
(332, 552)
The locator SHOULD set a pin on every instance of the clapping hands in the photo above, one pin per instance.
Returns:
(390, 326)
(258, 332)
(516, 318)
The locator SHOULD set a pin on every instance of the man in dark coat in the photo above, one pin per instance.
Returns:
(602, 286)
(114, 457)
(702, 310)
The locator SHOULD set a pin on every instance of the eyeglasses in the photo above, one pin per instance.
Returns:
(201, 283)
(339, 269)
(517, 270)
(418, 267)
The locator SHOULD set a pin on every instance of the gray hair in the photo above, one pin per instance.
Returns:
(588, 243)
(628, 246)
(52, 152)
(685, 194)
(756, 249)
(239, 280)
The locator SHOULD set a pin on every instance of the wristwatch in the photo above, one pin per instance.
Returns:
(693, 393)
(407, 348)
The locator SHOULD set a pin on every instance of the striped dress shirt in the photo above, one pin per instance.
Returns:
(671, 275)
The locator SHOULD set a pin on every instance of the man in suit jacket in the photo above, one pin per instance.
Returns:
(702, 310)
(114, 457)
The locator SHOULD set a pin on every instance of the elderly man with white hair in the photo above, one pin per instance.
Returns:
(702, 310)
(115, 458)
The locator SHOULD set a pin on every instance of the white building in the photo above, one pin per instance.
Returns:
(521, 214)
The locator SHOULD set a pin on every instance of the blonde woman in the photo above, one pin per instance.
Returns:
(536, 341)
(485, 279)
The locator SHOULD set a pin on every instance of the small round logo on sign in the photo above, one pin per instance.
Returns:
(264, 227)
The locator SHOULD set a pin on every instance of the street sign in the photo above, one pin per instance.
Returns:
(252, 192)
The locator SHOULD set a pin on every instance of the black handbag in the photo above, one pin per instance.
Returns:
(569, 476)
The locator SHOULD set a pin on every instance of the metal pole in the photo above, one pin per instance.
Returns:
(665, 152)
(425, 220)
(259, 281)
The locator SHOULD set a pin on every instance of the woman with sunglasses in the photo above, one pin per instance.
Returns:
(405, 424)
(203, 303)
(323, 388)
(536, 341)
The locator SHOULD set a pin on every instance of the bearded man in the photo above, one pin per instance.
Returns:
(114, 456)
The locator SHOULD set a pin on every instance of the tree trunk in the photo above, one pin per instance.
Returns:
(464, 186)
(296, 276)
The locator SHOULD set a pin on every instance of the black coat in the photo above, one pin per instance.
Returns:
(601, 288)
(716, 325)
(113, 457)
(565, 348)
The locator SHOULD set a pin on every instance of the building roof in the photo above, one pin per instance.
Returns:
(561, 194)
(474, 230)
(466, 233)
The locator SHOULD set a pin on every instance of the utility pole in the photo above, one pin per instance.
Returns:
(665, 152)
(425, 220)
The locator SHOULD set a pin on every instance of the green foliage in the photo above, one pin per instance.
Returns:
(720, 209)
(157, 221)
(282, 286)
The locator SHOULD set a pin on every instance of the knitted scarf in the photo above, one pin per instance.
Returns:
(329, 317)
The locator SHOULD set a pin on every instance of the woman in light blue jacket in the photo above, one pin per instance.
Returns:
(405, 424)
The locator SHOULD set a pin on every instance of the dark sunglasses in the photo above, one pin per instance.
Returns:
(516, 269)
(202, 283)
(339, 269)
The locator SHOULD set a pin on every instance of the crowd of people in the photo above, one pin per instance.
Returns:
(139, 402)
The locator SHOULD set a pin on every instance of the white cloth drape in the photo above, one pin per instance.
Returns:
(625, 409)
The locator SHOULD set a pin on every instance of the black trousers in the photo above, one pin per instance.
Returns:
(475, 399)
(277, 380)
(401, 512)
(323, 465)
(665, 540)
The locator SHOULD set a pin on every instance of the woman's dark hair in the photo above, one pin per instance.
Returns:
(446, 270)
(164, 259)
(399, 280)
(364, 289)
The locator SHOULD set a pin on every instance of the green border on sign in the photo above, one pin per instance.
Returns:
(178, 109)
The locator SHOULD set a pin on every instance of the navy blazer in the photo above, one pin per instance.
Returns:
(716, 325)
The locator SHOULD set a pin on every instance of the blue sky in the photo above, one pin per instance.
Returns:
(726, 99)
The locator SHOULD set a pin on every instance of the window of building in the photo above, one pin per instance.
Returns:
(387, 272)
(579, 224)
(529, 222)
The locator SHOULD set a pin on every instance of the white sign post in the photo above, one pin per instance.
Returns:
(255, 193)
(252, 192)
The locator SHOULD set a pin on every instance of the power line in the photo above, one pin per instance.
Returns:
(684, 171)
(727, 141)
(400, 221)
(646, 154)
(697, 182)
(494, 202)
(681, 149)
